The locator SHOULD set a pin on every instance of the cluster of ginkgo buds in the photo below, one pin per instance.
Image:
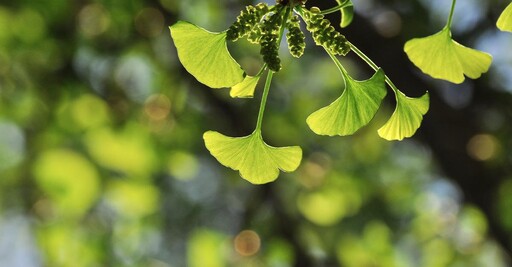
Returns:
(295, 37)
(324, 33)
(262, 25)
(270, 30)
(246, 21)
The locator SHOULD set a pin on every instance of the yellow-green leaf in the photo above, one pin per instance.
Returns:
(505, 20)
(205, 55)
(246, 88)
(257, 162)
(441, 57)
(354, 109)
(406, 118)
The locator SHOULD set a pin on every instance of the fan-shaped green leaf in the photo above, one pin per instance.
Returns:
(505, 20)
(205, 55)
(443, 58)
(246, 88)
(354, 109)
(406, 118)
(257, 162)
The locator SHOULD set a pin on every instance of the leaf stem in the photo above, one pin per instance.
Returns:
(336, 8)
(264, 99)
(337, 63)
(270, 74)
(261, 70)
(374, 66)
(450, 17)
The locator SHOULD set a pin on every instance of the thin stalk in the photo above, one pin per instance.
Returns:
(261, 70)
(337, 63)
(450, 17)
(270, 74)
(372, 65)
(264, 99)
(336, 8)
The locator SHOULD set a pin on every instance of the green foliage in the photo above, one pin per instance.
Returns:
(245, 88)
(353, 109)
(438, 56)
(505, 20)
(102, 161)
(443, 58)
(257, 162)
(406, 118)
(204, 54)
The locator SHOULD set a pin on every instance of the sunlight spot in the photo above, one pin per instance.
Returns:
(93, 20)
(157, 107)
(315, 169)
(247, 243)
(482, 147)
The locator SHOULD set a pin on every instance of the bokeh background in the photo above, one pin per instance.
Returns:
(102, 161)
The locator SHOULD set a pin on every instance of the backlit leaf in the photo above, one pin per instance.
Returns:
(257, 162)
(441, 57)
(353, 109)
(505, 20)
(205, 55)
(406, 118)
(246, 88)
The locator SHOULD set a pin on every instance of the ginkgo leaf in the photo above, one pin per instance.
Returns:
(246, 88)
(505, 20)
(347, 13)
(354, 109)
(406, 118)
(257, 162)
(205, 55)
(441, 57)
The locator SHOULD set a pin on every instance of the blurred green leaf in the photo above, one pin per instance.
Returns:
(205, 55)
(323, 207)
(347, 13)
(406, 118)
(205, 248)
(64, 243)
(441, 57)
(257, 162)
(354, 109)
(69, 179)
(129, 150)
(132, 199)
(505, 20)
